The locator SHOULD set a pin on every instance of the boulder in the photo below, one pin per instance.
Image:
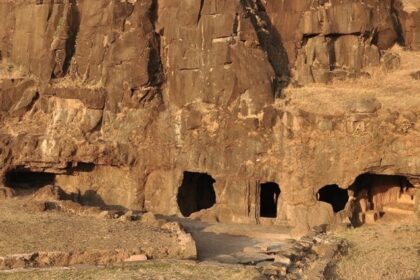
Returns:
(325, 250)
(49, 193)
(186, 248)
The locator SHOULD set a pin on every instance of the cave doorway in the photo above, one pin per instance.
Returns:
(269, 195)
(335, 196)
(27, 182)
(384, 192)
(196, 193)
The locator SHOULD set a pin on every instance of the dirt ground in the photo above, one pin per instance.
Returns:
(225, 239)
(387, 250)
(151, 270)
(25, 231)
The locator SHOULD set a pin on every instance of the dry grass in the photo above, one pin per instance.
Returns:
(386, 251)
(24, 231)
(396, 90)
(150, 270)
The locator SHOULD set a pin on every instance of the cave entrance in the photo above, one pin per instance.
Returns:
(196, 193)
(335, 196)
(384, 193)
(26, 182)
(269, 195)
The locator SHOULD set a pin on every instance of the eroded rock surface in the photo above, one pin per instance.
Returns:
(118, 99)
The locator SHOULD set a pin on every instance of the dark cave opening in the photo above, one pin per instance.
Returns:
(335, 196)
(196, 193)
(375, 191)
(25, 181)
(81, 167)
(269, 195)
(376, 195)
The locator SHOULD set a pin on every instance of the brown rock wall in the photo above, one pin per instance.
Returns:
(208, 47)
(408, 12)
(146, 90)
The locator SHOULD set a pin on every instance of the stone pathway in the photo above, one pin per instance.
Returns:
(268, 248)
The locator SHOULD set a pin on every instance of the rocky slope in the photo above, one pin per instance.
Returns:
(118, 99)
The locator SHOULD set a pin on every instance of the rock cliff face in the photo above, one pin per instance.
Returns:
(125, 102)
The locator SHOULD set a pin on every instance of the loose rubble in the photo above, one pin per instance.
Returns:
(309, 257)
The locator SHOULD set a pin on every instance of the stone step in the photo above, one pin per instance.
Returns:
(252, 258)
(371, 216)
(397, 209)
(406, 199)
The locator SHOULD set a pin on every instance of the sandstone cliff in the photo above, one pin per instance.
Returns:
(121, 100)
